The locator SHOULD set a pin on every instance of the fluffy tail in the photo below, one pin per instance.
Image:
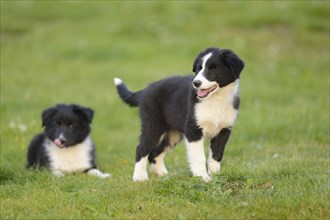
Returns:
(130, 98)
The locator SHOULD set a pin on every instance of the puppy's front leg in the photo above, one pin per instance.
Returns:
(217, 149)
(196, 159)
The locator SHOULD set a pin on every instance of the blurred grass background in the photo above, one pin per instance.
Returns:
(276, 164)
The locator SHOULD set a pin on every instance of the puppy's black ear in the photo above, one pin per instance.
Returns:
(86, 113)
(234, 63)
(195, 64)
(47, 115)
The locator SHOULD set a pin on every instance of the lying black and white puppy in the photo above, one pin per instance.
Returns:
(199, 107)
(65, 146)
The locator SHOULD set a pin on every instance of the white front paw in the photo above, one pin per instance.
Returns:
(213, 166)
(206, 178)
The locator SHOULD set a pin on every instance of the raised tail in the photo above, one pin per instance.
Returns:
(130, 98)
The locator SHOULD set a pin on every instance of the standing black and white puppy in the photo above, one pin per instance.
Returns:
(65, 146)
(199, 107)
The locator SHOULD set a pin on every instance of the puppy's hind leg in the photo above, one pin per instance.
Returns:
(156, 157)
(140, 169)
(149, 141)
(167, 143)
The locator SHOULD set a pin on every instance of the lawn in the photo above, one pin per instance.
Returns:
(277, 162)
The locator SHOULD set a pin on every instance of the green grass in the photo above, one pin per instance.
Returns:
(276, 164)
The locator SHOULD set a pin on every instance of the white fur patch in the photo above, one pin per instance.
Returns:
(140, 170)
(96, 172)
(161, 138)
(196, 159)
(205, 59)
(159, 167)
(213, 165)
(69, 160)
(217, 111)
(117, 81)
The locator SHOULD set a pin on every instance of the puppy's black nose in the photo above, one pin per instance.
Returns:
(197, 83)
(63, 141)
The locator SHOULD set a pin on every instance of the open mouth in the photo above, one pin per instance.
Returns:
(202, 93)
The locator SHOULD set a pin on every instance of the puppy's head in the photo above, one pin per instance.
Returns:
(215, 68)
(67, 125)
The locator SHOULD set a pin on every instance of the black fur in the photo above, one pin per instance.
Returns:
(132, 99)
(36, 153)
(168, 104)
(219, 142)
(70, 121)
(236, 102)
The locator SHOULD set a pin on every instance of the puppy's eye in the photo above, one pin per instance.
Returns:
(71, 126)
(212, 70)
(58, 124)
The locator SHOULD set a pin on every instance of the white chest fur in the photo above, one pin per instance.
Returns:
(69, 160)
(217, 111)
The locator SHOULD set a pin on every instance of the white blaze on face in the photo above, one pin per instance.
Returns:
(206, 86)
(200, 76)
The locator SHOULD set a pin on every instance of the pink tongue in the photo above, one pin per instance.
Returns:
(58, 142)
(202, 92)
